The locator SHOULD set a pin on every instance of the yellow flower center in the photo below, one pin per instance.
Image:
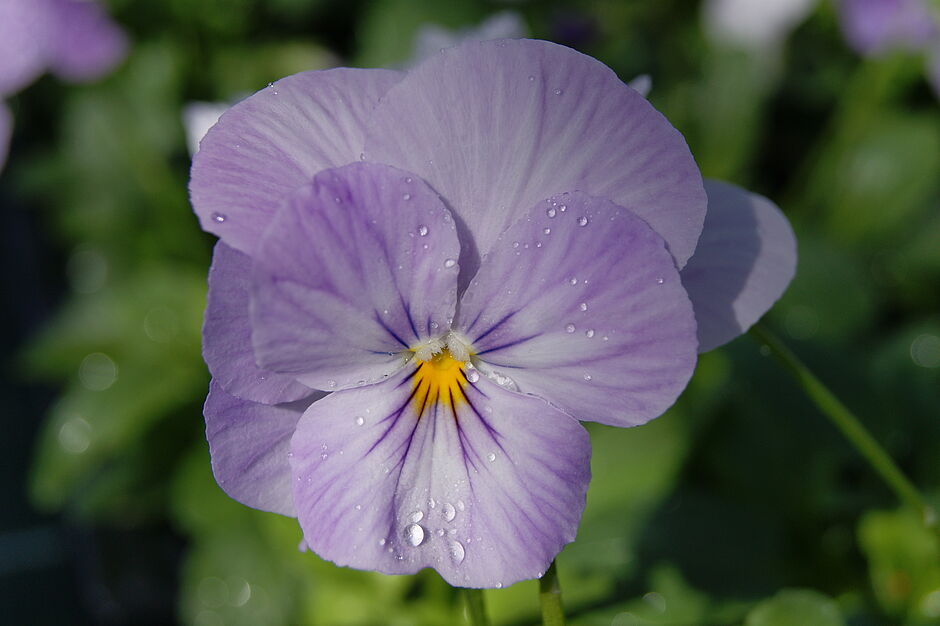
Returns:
(440, 379)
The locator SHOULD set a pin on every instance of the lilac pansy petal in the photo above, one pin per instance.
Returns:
(6, 131)
(486, 492)
(249, 444)
(269, 145)
(580, 303)
(226, 335)
(743, 264)
(87, 44)
(27, 31)
(875, 26)
(497, 126)
(357, 269)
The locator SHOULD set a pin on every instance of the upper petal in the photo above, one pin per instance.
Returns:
(486, 489)
(87, 44)
(226, 335)
(354, 270)
(27, 29)
(268, 145)
(249, 444)
(580, 303)
(497, 126)
(744, 261)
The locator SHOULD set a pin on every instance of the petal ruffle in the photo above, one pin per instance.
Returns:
(226, 334)
(249, 444)
(497, 126)
(352, 272)
(580, 303)
(486, 492)
(87, 43)
(269, 145)
(743, 264)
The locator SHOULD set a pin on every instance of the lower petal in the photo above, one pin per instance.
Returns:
(486, 487)
(744, 261)
(249, 444)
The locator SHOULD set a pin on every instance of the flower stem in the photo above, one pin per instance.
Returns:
(476, 607)
(848, 424)
(550, 598)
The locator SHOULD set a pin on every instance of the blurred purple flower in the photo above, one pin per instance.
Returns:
(425, 280)
(876, 27)
(74, 39)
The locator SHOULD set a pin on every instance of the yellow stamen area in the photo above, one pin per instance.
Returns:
(439, 380)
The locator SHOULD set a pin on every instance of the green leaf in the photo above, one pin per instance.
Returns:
(796, 607)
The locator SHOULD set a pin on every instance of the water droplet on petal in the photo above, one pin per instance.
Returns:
(406, 196)
(547, 231)
(432, 503)
(473, 376)
(582, 221)
(558, 92)
(572, 281)
(331, 384)
(460, 505)
(499, 585)
(457, 552)
(515, 244)
(416, 517)
(218, 218)
(362, 156)
(583, 306)
(360, 421)
(491, 457)
(423, 230)
(414, 534)
(587, 377)
(381, 542)
(563, 208)
(550, 212)
(659, 281)
(448, 512)
(589, 333)
(531, 78)
(450, 263)
(569, 328)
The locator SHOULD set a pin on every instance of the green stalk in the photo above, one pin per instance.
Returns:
(849, 425)
(550, 598)
(476, 607)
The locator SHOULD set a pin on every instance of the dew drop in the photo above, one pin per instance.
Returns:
(408, 179)
(572, 281)
(531, 78)
(499, 585)
(360, 421)
(457, 552)
(406, 196)
(491, 457)
(589, 333)
(416, 517)
(338, 200)
(582, 221)
(448, 512)
(440, 532)
(414, 534)
(358, 507)
(362, 156)
(659, 281)
(450, 263)
(331, 384)
(569, 328)
(547, 231)
(381, 542)
(432, 503)
(324, 456)
(218, 218)
(538, 244)
(583, 306)
(587, 377)
(515, 244)
(460, 505)
(563, 208)
(551, 212)
(473, 376)
(558, 92)
(423, 230)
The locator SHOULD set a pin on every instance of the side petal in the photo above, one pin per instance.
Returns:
(249, 444)
(580, 303)
(486, 490)
(87, 44)
(743, 264)
(272, 143)
(497, 126)
(27, 30)
(355, 270)
(226, 335)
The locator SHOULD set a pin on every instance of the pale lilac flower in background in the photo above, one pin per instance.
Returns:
(425, 280)
(431, 38)
(876, 27)
(198, 118)
(74, 39)
(754, 24)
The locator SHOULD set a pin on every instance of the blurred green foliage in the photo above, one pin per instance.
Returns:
(740, 506)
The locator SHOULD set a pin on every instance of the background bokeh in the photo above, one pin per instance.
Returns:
(742, 505)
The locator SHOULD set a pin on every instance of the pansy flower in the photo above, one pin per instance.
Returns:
(425, 280)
